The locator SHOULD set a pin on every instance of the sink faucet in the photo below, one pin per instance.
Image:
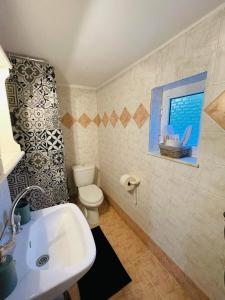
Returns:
(7, 247)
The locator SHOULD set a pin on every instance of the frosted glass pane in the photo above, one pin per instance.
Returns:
(185, 111)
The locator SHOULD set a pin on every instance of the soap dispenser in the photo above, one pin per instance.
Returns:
(8, 277)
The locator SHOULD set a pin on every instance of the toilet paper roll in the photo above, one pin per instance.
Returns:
(125, 181)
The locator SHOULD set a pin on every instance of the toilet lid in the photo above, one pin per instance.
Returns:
(90, 194)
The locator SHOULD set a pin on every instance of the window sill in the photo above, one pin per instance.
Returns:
(189, 161)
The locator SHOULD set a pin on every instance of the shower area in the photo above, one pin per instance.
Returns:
(33, 104)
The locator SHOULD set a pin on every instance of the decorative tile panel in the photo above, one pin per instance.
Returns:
(105, 119)
(97, 120)
(216, 110)
(33, 106)
(140, 116)
(84, 120)
(12, 95)
(125, 117)
(54, 139)
(67, 120)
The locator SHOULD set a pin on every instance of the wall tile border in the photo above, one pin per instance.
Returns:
(140, 116)
(84, 120)
(114, 118)
(97, 120)
(125, 117)
(67, 120)
(105, 119)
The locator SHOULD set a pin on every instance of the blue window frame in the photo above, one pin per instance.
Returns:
(179, 104)
(185, 111)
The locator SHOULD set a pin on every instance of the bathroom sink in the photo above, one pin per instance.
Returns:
(53, 251)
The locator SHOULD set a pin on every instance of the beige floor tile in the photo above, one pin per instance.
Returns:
(179, 294)
(74, 292)
(150, 280)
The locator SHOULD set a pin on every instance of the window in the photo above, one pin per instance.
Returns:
(178, 104)
(185, 111)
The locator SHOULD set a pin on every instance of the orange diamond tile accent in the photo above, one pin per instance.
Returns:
(216, 110)
(67, 120)
(141, 115)
(114, 118)
(105, 119)
(125, 117)
(84, 120)
(97, 120)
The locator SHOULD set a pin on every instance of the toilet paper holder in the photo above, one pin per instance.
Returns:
(129, 182)
(134, 181)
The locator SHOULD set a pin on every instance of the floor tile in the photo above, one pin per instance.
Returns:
(150, 280)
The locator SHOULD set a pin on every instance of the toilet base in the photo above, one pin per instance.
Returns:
(92, 215)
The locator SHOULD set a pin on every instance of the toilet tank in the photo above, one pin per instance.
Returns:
(84, 175)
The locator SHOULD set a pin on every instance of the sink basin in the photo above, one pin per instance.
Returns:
(53, 251)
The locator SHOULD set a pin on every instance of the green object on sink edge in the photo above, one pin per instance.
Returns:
(8, 277)
(23, 209)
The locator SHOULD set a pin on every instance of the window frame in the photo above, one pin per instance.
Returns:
(160, 109)
(178, 92)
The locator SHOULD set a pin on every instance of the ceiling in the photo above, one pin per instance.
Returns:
(89, 41)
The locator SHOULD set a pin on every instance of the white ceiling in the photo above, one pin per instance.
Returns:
(89, 41)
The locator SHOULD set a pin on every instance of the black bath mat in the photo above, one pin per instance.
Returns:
(66, 295)
(107, 275)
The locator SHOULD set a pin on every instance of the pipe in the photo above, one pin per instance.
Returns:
(11, 54)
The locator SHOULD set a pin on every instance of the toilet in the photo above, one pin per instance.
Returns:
(90, 196)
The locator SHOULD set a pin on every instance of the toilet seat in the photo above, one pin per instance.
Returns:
(90, 195)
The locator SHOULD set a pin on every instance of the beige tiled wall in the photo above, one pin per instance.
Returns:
(179, 206)
(78, 111)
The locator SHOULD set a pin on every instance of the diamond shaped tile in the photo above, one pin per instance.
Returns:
(216, 110)
(67, 120)
(141, 115)
(84, 120)
(125, 117)
(114, 118)
(105, 119)
(97, 120)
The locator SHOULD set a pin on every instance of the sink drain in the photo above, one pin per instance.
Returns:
(42, 260)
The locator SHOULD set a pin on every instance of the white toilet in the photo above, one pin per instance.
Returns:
(90, 196)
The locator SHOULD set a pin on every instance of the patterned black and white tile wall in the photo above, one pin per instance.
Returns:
(33, 105)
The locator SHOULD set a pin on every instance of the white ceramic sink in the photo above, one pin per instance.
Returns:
(62, 233)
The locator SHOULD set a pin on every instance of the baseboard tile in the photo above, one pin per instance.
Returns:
(187, 284)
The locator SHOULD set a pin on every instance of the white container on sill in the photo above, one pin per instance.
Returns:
(173, 143)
